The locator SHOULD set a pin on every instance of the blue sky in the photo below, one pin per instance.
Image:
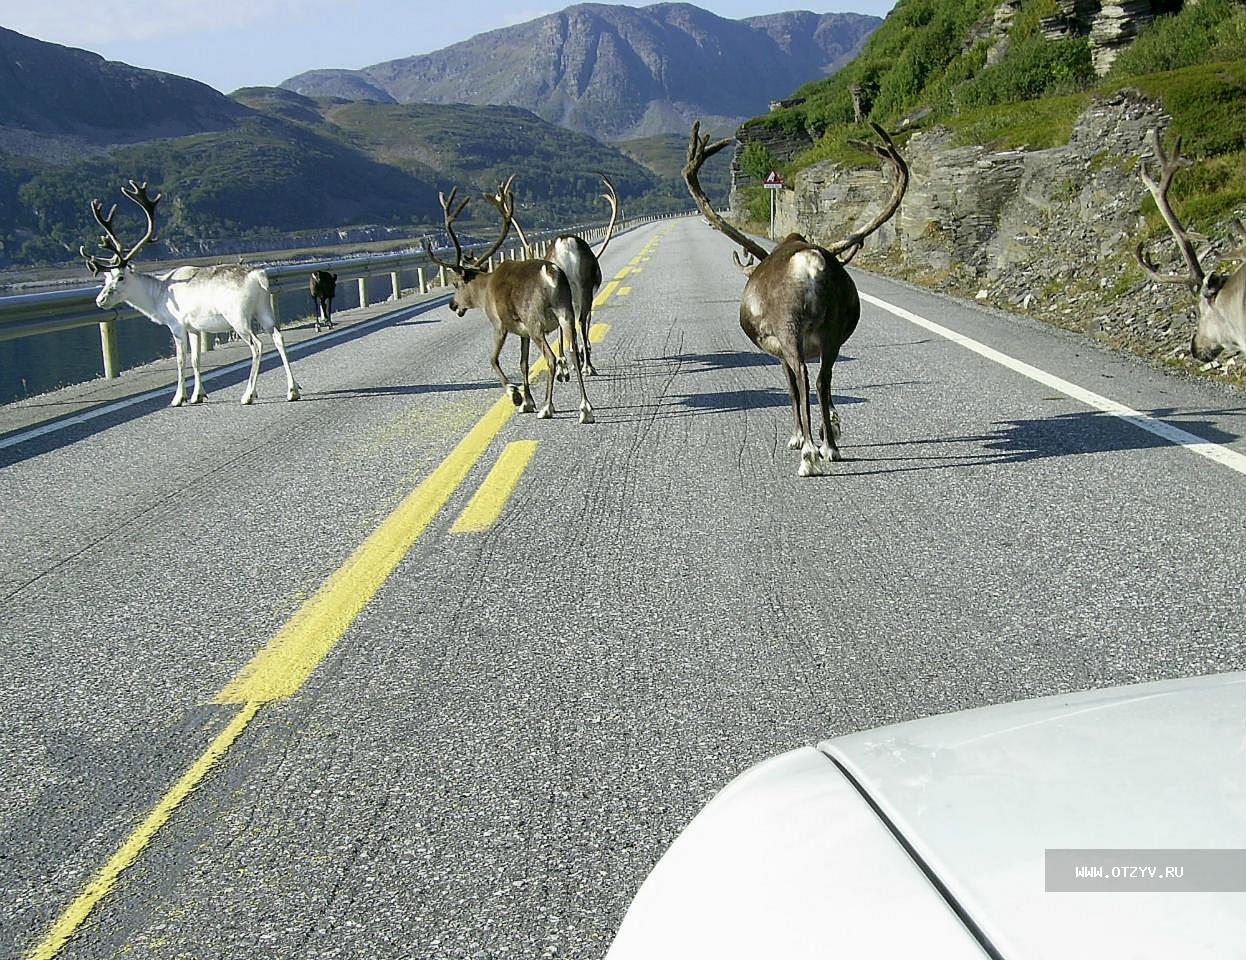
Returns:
(237, 43)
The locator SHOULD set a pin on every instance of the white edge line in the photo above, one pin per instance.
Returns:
(294, 348)
(1204, 448)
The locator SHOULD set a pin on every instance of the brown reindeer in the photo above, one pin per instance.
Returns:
(799, 301)
(529, 298)
(1221, 298)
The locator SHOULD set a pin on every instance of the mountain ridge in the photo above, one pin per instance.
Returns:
(616, 72)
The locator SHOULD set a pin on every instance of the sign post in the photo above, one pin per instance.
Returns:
(772, 183)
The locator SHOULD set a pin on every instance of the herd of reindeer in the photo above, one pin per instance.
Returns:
(798, 302)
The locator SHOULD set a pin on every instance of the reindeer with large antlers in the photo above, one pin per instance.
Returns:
(529, 298)
(1221, 299)
(799, 301)
(577, 259)
(187, 300)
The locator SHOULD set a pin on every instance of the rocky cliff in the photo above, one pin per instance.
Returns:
(1048, 232)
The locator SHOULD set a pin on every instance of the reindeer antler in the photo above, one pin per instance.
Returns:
(120, 256)
(612, 198)
(886, 151)
(504, 201)
(1159, 190)
(699, 150)
(449, 216)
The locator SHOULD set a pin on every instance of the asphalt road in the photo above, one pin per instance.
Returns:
(507, 736)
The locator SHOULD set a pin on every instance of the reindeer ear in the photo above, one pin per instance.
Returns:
(1212, 284)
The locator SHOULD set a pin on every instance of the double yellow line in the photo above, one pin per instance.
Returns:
(283, 665)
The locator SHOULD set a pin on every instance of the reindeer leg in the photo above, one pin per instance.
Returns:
(551, 361)
(499, 338)
(198, 393)
(563, 375)
(528, 405)
(586, 321)
(248, 395)
(292, 388)
(179, 352)
(794, 441)
(809, 464)
(830, 416)
(586, 408)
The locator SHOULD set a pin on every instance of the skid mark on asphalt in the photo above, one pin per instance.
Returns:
(283, 665)
(1182, 438)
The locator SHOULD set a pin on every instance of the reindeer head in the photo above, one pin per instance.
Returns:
(116, 266)
(466, 273)
(1221, 298)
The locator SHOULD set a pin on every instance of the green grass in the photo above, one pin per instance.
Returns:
(1036, 124)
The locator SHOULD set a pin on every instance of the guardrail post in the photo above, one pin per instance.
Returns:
(396, 283)
(206, 342)
(108, 347)
(363, 291)
(419, 276)
(441, 276)
(276, 305)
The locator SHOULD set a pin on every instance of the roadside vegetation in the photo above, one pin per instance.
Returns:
(927, 66)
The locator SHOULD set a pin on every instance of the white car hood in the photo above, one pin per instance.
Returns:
(927, 839)
(981, 795)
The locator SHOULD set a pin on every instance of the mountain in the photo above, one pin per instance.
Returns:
(617, 72)
(56, 101)
(266, 163)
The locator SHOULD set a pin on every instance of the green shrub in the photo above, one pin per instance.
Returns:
(757, 161)
(1206, 32)
(1034, 67)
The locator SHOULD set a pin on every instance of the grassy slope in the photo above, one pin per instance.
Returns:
(665, 155)
(922, 57)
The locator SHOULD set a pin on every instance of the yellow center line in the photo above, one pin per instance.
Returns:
(624, 291)
(597, 332)
(286, 661)
(76, 912)
(608, 289)
(483, 510)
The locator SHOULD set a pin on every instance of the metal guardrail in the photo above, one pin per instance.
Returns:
(32, 314)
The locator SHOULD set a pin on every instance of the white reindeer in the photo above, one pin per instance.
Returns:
(187, 300)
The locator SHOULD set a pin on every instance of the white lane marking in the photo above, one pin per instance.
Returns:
(294, 348)
(1204, 448)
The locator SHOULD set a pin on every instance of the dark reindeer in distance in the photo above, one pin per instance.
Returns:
(577, 259)
(322, 285)
(1221, 299)
(799, 301)
(529, 298)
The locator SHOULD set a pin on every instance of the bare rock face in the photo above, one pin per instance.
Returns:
(618, 72)
(1116, 26)
(1048, 232)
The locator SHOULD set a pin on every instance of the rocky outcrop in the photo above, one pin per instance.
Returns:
(1049, 232)
(783, 145)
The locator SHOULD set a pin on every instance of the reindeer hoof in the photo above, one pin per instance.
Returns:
(515, 396)
(586, 415)
(795, 441)
(177, 401)
(528, 407)
(294, 394)
(827, 452)
(545, 413)
(247, 399)
(809, 468)
(198, 398)
(589, 370)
